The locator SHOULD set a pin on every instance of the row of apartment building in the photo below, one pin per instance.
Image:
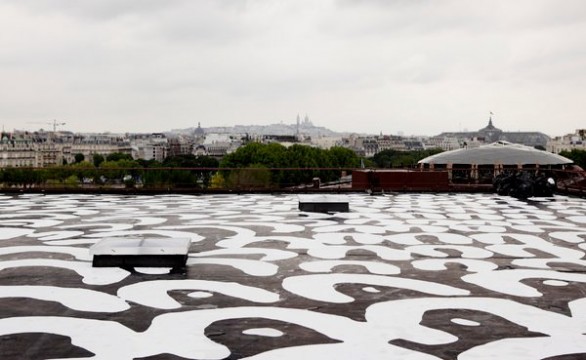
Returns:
(41, 148)
(49, 148)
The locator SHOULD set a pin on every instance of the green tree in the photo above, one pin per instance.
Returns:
(153, 176)
(217, 181)
(118, 156)
(257, 154)
(395, 158)
(255, 176)
(152, 163)
(98, 159)
(576, 155)
(268, 155)
(299, 157)
(71, 181)
(84, 170)
(58, 174)
(295, 165)
(79, 157)
(343, 157)
(118, 170)
(194, 169)
(20, 177)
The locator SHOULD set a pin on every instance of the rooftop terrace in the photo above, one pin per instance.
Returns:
(399, 276)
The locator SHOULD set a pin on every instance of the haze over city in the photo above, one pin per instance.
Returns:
(412, 67)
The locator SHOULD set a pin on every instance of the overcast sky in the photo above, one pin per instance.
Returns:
(392, 66)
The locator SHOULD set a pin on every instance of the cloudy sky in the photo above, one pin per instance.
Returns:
(392, 66)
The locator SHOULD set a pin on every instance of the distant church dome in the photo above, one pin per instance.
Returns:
(199, 131)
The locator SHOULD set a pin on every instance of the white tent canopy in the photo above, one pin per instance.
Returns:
(501, 152)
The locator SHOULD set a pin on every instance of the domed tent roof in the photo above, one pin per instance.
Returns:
(500, 152)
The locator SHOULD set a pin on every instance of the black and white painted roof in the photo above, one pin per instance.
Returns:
(400, 276)
(501, 152)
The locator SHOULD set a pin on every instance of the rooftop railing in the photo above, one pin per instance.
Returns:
(261, 179)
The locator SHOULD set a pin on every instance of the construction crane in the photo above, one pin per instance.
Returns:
(54, 123)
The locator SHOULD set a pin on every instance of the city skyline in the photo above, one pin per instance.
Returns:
(396, 67)
(282, 128)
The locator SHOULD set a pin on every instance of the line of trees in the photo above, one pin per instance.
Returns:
(401, 159)
(257, 165)
(577, 155)
(254, 165)
(117, 169)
